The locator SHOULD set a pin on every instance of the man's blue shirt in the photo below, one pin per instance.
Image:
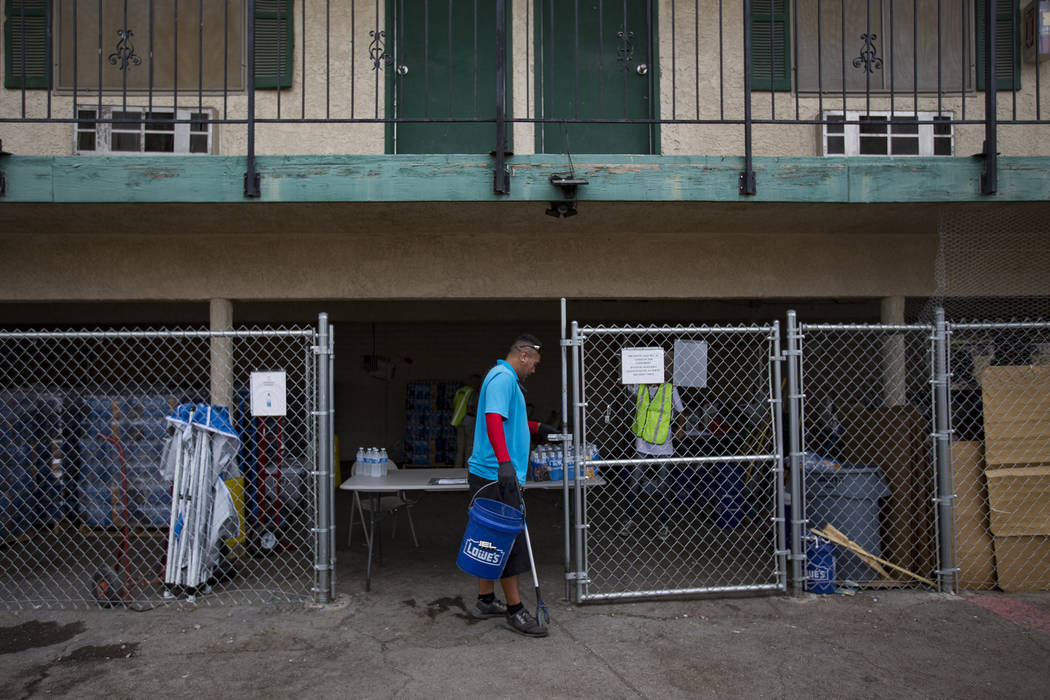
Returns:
(500, 393)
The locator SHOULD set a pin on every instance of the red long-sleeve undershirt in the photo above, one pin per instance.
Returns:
(498, 439)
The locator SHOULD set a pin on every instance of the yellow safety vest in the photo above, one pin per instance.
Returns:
(460, 404)
(652, 416)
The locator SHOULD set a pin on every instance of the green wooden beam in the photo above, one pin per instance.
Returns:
(457, 178)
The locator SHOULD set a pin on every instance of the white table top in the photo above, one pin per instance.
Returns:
(423, 480)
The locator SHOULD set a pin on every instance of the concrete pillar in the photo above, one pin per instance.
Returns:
(894, 370)
(221, 319)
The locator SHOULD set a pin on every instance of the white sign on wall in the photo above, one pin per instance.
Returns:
(642, 365)
(268, 394)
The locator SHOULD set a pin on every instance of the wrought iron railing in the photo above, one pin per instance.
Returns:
(886, 76)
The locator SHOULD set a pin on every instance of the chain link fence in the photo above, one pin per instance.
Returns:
(866, 464)
(85, 503)
(1000, 389)
(682, 424)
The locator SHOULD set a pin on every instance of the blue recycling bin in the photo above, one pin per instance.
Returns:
(849, 499)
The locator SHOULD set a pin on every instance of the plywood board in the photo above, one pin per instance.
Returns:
(1023, 563)
(1016, 414)
(974, 550)
(896, 439)
(1019, 501)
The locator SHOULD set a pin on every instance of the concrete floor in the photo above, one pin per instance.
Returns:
(411, 636)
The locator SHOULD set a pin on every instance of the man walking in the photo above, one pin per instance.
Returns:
(498, 464)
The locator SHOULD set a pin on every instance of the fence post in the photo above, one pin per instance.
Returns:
(566, 510)
(323, 478)
(783, 552)
(942, 450)
(577, 424)
(330, 389)
(794, 431)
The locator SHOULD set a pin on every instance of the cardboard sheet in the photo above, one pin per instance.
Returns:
(1023, 563)
(1016, 415)
(974, 550)
(1019, 501)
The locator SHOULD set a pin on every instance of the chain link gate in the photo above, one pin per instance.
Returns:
(85, 509)
(708, 515)
(865, 459)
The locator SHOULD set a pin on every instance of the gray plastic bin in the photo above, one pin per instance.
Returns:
(848, 498)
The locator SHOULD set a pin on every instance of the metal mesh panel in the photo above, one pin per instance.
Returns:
(867, 466)
(84, 507)
(1000, 394)
(703, 516)
(991, 264)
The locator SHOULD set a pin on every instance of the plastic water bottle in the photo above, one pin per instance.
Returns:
(554, 461)
(360, 468)
(372, 457)
(383, 458)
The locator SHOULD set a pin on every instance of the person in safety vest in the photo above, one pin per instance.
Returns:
(657, 421)
(496, 470)
(464, 413)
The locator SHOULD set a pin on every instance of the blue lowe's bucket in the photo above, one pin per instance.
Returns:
(491, 529)
(820, 566)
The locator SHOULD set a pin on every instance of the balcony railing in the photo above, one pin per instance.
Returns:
(471, 76)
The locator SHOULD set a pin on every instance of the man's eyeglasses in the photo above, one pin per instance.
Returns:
(524, 346)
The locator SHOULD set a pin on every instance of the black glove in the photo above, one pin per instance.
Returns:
(508, 477)
(543, 431)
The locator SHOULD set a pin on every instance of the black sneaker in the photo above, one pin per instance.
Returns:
(524, 623)
(497, 608)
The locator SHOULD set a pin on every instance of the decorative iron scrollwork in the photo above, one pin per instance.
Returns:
(377, 50)
(625, 53)
(868, 58)
(125, 53)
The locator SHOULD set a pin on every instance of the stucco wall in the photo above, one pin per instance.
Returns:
(651, 253)
(332, 81)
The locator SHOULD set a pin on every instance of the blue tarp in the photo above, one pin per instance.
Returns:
(213, 418)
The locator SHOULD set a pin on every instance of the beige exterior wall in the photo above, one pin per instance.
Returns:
(337, 251)
(328, 82)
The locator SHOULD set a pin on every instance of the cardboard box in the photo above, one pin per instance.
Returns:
(1023, 563)
(1019, 501)
(974, 549)
(1016, 415)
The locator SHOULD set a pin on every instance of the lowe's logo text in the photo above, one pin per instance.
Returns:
(483, 551)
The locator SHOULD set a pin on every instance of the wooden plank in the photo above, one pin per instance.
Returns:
(828, 527)
(451, 178)
(864, 553)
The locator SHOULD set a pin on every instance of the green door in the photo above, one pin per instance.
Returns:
(444, 69)
(595, 60)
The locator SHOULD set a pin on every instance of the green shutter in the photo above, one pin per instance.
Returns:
(274, 43)
(1007, 45)
(770, 45)
(26, 45)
